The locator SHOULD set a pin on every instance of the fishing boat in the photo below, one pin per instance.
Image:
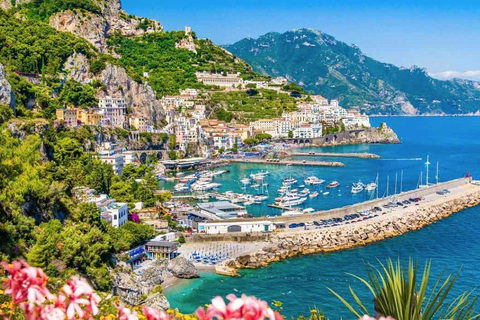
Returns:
(313, 181)
(334, 184)
(313, 195)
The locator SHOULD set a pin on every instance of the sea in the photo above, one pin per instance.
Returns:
(302, 283)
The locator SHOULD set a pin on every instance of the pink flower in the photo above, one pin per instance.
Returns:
(126, 314)
(80, 299)
(153, 314)
(365, 317)
(25, 283)
(248, 308)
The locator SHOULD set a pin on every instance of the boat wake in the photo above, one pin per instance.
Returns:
(403, 159)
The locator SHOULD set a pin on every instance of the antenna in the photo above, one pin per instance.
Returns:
(427, 164)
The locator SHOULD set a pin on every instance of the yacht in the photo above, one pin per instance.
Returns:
(289, 181)
(334, 184)
(313, 181)
(356, 189)
(245, 181)
(290, 200)
(371, 186)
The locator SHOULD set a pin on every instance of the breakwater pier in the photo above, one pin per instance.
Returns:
(390, 222)
(288, 162)
(361, 155)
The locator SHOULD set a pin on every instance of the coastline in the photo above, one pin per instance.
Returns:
(282, 246)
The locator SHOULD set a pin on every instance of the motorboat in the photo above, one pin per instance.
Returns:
(290, 200)
(314, 194)
(289, 181)
(371, 186)
(313, 181)
(334, 184)
(245, 181)
(356, 188)
(326, 193)
(291, 213)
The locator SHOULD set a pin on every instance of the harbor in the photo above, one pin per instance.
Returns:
(361, 155)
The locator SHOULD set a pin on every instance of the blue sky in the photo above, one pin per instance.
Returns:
(442, 36)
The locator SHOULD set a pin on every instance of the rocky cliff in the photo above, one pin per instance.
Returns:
(134, 289)
(383, 134)
(7, 96)
(140, 97)
(183, 269)
(8, 4)
(95, 27)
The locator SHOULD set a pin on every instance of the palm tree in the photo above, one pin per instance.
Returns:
(397, 294)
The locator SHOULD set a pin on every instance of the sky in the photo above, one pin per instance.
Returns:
(442, 36)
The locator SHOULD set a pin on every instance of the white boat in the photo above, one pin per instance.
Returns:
(181, 187)
(371, 186)
(356, 188)
(204, 186)
(290, 200)
(308, 210)
(313, 195)
(313, 181)
(326, 193)
(245, 181)
(289, 181)
(291, 213)
(334, 184)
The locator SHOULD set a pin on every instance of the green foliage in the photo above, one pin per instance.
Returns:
(171, 69)
(44, 9)
(6, 113)
(266, 104)
(223, 115)
(398, 294)
(181, 239)
(76, 94)
(263, 136)
(27, 46)
(249, 141)
(290, 134)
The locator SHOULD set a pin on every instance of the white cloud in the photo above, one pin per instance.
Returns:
(469, 75)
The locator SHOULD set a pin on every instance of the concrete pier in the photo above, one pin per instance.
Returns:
(285, 162)
(362, 155)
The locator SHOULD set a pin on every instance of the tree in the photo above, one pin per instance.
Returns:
(251, 86)
(6, 113)
(263, 136)
(88, 213)
(163, 197)
(121, 190)
(249, 141)
(181, 239)
(290, 134)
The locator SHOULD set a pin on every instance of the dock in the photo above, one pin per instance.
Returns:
(362, 155)
(289, 162)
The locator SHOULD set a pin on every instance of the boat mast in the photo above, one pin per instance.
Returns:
(388, 183)
(437, 173)
(401, 182)
(427, 164)
(396, 174)
(377, 183)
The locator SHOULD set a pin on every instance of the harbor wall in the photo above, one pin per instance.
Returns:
(289, 244)
(355, 208)
(228, 237)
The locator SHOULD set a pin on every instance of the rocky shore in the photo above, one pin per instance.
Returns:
(285, 245)
(382, 134)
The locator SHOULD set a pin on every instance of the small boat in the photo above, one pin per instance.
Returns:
(256, 185)
(313, 195)
(308, 210)
(291, 213)
(245, 181)
(371, 186)
(326, 193)
(334, 184)
(313, 181)
(289, 181)
(290, 200)
(356, 189)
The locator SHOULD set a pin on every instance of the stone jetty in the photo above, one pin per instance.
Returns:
(361, 155)
(396, 222)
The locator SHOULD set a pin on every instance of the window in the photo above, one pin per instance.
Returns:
(114, 217)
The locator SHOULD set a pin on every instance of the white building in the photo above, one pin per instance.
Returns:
(308, 131)
(231, 80)
(115, 213)
(114, 111)
(233, 227)
(117, 161)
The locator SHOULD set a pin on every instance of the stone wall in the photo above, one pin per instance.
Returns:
(285, 245)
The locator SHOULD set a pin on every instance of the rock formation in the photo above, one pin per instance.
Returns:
(7, 4)
(7, 97)
(183, 269)
(134, 289)
(95, 28)
(383, 134)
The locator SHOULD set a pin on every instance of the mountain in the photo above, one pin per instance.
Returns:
(322, 64)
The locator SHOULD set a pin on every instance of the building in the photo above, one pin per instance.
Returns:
(161, 249)
(234, 227)
(222, 209)
(116, 160)
(308, 131)
(68, 116)
(116, 213)
(158, 225)
(89, 117)
(139, 123)
(230, 80)
(114, 110)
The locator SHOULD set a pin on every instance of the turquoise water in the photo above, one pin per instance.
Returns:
(301, 283)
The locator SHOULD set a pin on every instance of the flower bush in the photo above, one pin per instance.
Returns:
(27, 288)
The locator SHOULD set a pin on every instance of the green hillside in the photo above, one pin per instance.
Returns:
(329, 67)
